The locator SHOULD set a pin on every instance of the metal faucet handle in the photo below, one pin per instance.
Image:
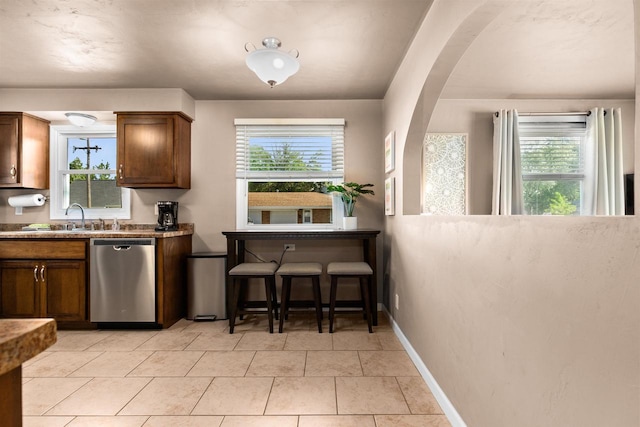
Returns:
(97, 225)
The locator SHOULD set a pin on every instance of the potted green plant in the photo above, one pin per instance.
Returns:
(349, 193)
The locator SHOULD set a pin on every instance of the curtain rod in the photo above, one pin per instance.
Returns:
(579, 113)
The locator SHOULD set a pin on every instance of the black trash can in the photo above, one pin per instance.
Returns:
(206, 295)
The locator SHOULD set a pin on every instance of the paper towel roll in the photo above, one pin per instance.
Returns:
(27, 200)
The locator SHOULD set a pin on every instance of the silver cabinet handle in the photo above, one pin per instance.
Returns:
(35, 274)
(120, 172)
(42, 273)
(13, 171)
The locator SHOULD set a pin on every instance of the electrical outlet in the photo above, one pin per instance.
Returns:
(155, 209)
(289, 247)
(397, 304)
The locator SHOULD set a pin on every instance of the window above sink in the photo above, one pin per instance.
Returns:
(83, 171)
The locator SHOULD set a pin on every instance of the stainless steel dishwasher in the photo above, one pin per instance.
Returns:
(123, 280)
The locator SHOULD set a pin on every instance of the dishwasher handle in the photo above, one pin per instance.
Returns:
(123, 244)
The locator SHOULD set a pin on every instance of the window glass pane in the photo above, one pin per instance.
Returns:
(91, 153)
(93, 193)
(94, 183)
(289, 202)
(552, 197)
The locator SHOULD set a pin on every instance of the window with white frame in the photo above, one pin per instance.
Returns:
(282, 169)
(556, 160)
(83, 171)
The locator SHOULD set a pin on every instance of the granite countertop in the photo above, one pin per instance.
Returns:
(14, 231)
(21, 339)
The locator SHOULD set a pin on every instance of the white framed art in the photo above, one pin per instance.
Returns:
(390, 196)
(390, 152)
(444, 174)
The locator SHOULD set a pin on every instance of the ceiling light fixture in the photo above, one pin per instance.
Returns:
(81, 119)
(271, 65)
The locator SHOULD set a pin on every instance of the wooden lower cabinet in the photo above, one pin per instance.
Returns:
(44, 278)
(55, 289)
(20, 293)
(171, 274)
(49, 278)
(65, 285)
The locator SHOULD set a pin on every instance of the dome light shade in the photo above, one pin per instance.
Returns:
(81, 119)
(271, 65)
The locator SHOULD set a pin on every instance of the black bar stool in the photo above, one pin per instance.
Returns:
(291, 270)
(360, 270)
(240, 274)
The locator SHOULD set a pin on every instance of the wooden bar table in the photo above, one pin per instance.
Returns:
(236, 241)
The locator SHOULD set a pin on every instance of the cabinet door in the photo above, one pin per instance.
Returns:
(34, 165)
(20, 289)
(65, 290)
(9, 149)
(24, 151)
(146, 148)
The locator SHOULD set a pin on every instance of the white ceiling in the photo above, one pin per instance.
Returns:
(349, 49)
(563, 49)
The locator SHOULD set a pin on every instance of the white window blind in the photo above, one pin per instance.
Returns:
(557, 155)
(289, 149)
(552, 146)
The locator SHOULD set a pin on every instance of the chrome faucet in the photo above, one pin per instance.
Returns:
(78, 205)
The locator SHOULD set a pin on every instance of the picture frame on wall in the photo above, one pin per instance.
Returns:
(390, 152)
(444, 174)
(390, 196)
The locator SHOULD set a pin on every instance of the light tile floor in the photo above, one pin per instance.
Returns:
(197, 374)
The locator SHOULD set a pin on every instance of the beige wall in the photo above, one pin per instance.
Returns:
(523, 321)
(213, 158)
(210, 203)
(474, 117)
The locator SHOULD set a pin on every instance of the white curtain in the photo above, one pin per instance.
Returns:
(507, 168)
(604, 127)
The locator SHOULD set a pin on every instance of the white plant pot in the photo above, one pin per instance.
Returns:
(350, 222)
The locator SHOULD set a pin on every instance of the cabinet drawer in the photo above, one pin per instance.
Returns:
(50, 249)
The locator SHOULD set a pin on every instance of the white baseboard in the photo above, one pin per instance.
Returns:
(454, 418)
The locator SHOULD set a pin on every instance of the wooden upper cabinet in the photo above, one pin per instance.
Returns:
(154, 150)
(24, 151)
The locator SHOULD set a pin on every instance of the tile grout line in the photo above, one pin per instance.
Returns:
(404, 396)
(305, 366)
(196, 362)
(273, 381)
(335, 388)
(135, 395)
(202, 395)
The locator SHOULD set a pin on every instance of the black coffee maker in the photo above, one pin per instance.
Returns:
(167, 216)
